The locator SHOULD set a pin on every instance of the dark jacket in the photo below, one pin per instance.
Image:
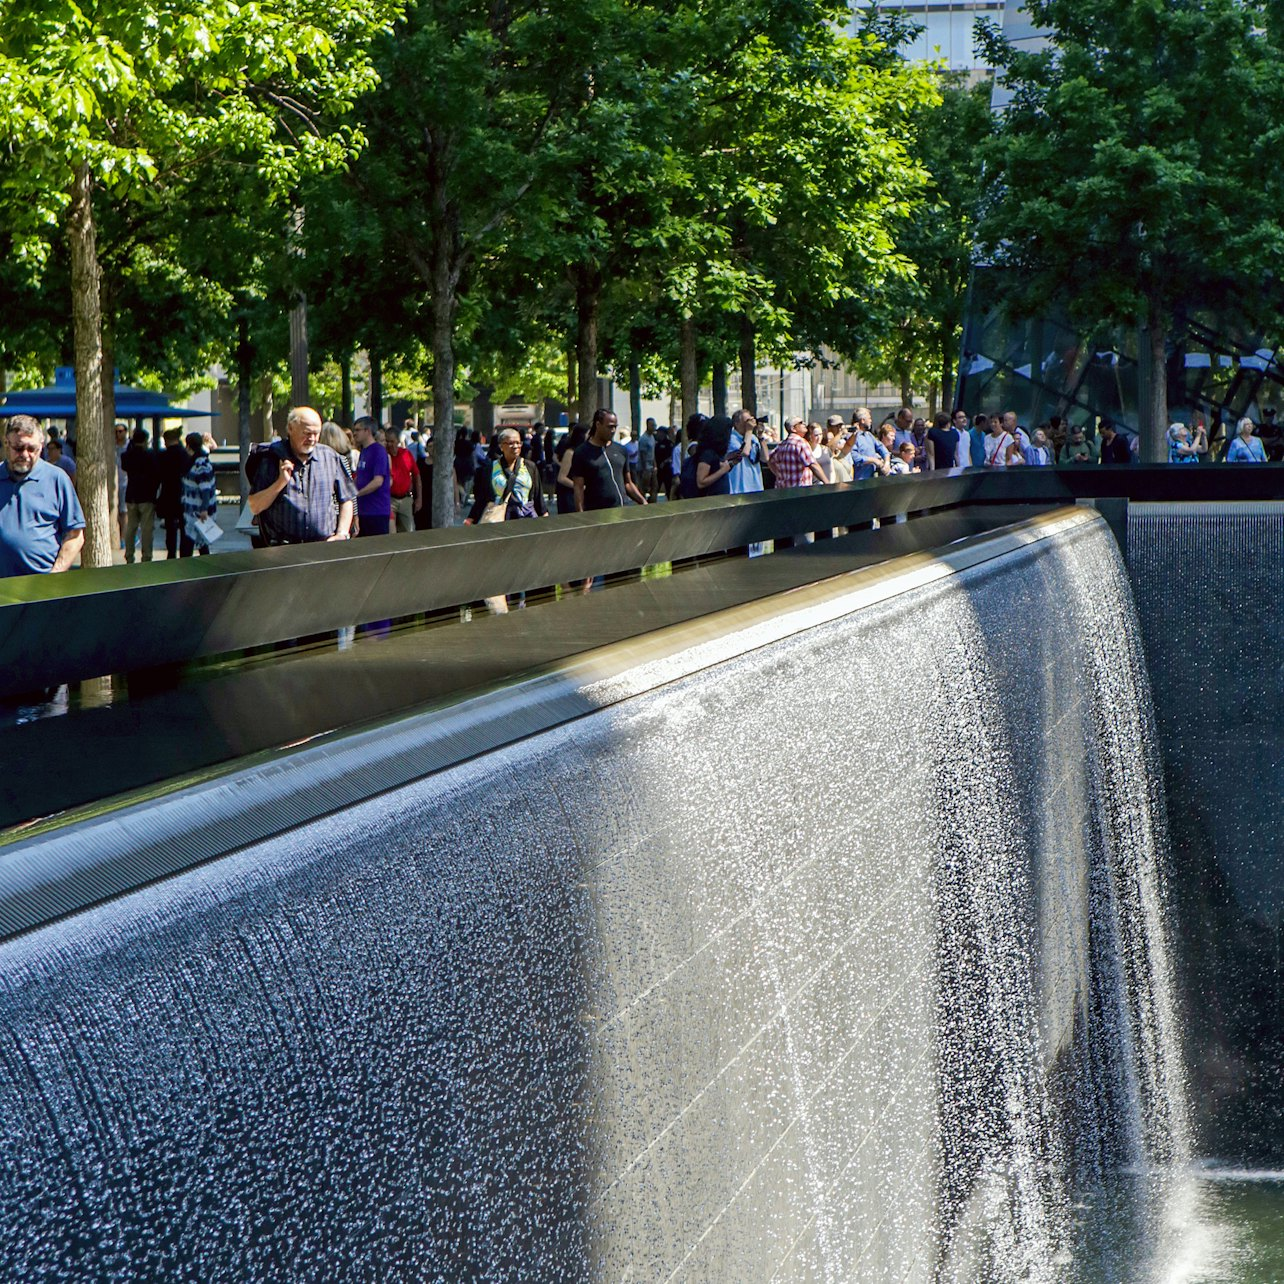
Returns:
(1116, 451)
(142, 468)
(174, 462)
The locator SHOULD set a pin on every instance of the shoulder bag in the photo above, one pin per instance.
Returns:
(497, 509)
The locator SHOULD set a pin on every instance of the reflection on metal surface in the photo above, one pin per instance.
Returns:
(79, 862)
(175, 724)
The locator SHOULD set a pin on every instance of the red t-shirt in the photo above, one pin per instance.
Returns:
(402, 464)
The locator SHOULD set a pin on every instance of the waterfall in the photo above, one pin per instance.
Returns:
(832, 946)
(1053, 898)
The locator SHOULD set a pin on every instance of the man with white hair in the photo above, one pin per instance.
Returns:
(301, 493)
(42, 526)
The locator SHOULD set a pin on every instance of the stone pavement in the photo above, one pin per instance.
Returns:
(233, 541)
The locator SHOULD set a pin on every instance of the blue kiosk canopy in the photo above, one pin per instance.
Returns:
(58, 401)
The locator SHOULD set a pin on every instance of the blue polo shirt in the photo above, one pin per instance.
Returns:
(37, 513)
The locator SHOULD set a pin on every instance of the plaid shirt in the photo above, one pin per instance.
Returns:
(791, 461)
(307, 510)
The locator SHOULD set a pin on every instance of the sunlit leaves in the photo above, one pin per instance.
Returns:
(1131, 176)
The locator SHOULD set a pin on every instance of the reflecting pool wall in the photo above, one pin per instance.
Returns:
(1209, 583)
(835, 960)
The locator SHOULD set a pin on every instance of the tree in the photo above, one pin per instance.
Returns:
(115, 101)
(800, 172)
(1136, 174)
(464, 135)
(908, 333)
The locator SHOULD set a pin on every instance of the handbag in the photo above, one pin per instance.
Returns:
(497, 509)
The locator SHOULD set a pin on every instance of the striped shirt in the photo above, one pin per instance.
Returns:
(200, 497)
(791, 461)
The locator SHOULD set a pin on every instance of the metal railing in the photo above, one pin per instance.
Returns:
(85, 624)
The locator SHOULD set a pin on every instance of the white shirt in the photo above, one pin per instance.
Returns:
(996, 449)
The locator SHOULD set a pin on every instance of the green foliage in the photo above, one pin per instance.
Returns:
(908, 332)
(734, 159)
(1136, 172)
(743, 158)
(138, 91)
(194, 117)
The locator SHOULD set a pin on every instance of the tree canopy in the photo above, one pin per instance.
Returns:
(130, 103)
(1135, 174)
(483, 195)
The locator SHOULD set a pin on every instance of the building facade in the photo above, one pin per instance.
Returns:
(947, 28)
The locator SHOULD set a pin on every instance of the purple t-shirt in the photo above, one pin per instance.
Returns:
(374, 463)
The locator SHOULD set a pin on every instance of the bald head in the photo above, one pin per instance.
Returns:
(303, 428)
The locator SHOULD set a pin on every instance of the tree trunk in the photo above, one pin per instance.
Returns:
(688, 372)
(588, 303)
(266, 397)
(376, 388)
(345, 392)
(96, 465)
(443, 387)
(109, 373)
(635, 395)
(907, 387)
(572, 385)
(1154, 411)
(244, 374)
(719, 387)
(299, 394)
(947, 371)
(748, 366)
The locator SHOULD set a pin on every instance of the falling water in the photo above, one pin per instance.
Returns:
(841, 957)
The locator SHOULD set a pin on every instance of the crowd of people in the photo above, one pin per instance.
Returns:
(739, 454)
(319, 481)
(905, 443)
(174, 484)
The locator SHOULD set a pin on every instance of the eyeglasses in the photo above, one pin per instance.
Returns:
(20, 449)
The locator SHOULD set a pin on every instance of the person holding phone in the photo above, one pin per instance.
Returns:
(714, 458)
(752, 449)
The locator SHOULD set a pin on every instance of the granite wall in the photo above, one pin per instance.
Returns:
(1209, 585)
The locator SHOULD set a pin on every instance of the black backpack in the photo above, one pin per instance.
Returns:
(257, 451)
